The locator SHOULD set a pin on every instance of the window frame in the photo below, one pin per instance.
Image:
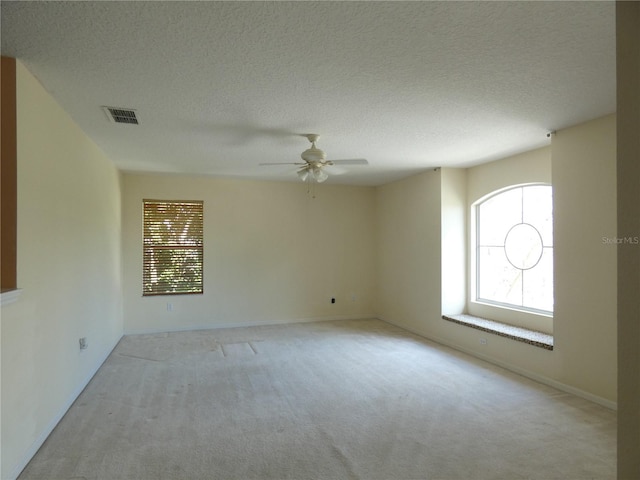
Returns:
(194, 242)
(474, 251)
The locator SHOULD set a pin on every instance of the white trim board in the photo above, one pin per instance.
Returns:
(10, 297)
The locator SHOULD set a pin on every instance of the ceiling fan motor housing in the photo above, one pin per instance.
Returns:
(313, 154)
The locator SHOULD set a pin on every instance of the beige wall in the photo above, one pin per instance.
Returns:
(408, 252)
(273, 253)
(528, 167)
(584, 182)
(581, 163)
(68, 268)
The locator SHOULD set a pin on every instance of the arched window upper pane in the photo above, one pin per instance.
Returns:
(497, 215)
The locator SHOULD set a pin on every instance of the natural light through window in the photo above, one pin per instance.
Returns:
(172, 247)
(514, 249)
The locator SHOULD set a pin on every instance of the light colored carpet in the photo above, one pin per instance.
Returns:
(327, 400)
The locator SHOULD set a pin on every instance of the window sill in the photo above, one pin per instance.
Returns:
(532, 337)
(9, 296)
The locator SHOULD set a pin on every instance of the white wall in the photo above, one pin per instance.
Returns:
(68, 267)
(272, 253)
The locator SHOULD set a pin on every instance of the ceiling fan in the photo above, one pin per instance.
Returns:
(315, 161)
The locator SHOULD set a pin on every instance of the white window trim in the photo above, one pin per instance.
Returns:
(10, 297)
(505, 313)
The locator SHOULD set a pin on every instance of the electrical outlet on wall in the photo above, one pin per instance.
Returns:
(83, 343)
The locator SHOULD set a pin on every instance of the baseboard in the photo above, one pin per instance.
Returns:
(35, 446)
(512, 368)
(254, 323)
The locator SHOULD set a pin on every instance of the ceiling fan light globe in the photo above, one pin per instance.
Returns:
(320, 175)
(303, 174)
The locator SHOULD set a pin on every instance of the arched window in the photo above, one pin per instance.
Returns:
(514, 249)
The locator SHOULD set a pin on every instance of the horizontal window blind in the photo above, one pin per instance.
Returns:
(172, 247)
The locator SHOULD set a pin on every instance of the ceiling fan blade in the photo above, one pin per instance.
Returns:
(351, 161)
(283, 163)
(336, 170)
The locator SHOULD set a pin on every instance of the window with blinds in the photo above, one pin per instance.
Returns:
(172, 247)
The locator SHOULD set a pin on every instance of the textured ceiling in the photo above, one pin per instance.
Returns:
(223, 86)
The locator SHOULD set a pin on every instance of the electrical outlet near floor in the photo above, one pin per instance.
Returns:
(83, 343)
(483, 341)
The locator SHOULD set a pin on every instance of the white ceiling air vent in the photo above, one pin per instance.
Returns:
(121, 115)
